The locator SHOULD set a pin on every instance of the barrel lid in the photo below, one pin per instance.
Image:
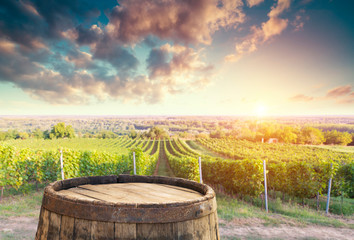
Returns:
(130, 199)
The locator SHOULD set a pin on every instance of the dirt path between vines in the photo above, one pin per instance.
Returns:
(163, 167)
(25, 228)
(253, 229)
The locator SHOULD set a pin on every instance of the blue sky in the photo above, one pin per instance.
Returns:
(174, 57)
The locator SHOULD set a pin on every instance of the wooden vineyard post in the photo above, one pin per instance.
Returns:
(265, 185)
(134, 163)
(61, 164)
(200, 170)
(329, 190)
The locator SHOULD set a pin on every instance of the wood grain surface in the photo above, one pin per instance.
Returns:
(132, 193)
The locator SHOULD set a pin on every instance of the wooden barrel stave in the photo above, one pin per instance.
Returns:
(64, 227)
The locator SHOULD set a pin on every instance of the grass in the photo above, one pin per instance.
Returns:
(279, 213)
(21, 205)
(200, 149)
(83, 144)
(246, 213)
(337, 148)
(16, 235)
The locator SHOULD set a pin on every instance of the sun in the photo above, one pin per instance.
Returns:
(261, 109)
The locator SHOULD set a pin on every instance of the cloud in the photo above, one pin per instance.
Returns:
(120, 58)
(61, 52)
(281, 6)
(301, 98)
(341, 95)
(179, 66)
(349, 99)
(76, 77)
(174, 60)
(274, 26)
(181, 21)
(252, 3)
(299, 21)
(28, 22)
(339, 91)
(88, 36)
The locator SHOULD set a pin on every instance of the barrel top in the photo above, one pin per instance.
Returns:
(133, 192)
(130, 199)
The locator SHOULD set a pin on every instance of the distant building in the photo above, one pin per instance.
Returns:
(273, 140)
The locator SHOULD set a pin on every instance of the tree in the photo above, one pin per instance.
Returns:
(70, 132)
(340, 138)
(133, 134)
(38, 133)
(61, 131)
(106, 134)
(268, 130)
(23, 135)
(217, 134)
(287, 134)
(157, 133)
(310, 135)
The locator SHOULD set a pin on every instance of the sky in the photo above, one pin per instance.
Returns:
(177, 57)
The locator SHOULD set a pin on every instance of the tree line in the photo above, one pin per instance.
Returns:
(61, 130)
(287, 134)
(58, 131)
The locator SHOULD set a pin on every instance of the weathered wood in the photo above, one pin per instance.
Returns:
(40, 224)
(184, 230)
(213, 223)
(54, 226)
(202, 228)
(125, 231)
(42, 231)
(82, 229)
(155, 231)
(128, 207)
(102, 230)
(132, 192)
(67, 228)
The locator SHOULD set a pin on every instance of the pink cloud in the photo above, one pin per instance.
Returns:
(281, 6)
(301, 98)
(252, 3)
(184, 21)
(339, 91)
(347, 100)
(341, 95)
(299, 21)
(274, 26)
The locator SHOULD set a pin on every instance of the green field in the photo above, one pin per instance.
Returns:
(82, 144)
(345, 149)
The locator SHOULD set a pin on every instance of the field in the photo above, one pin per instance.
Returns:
(116, 145)
(240, 206)
(346, 149)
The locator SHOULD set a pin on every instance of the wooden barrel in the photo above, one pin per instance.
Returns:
(128, 207)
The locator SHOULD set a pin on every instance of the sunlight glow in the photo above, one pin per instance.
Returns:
(261, 109)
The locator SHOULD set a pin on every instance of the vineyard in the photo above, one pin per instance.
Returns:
(26, 162)
(298, 171)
